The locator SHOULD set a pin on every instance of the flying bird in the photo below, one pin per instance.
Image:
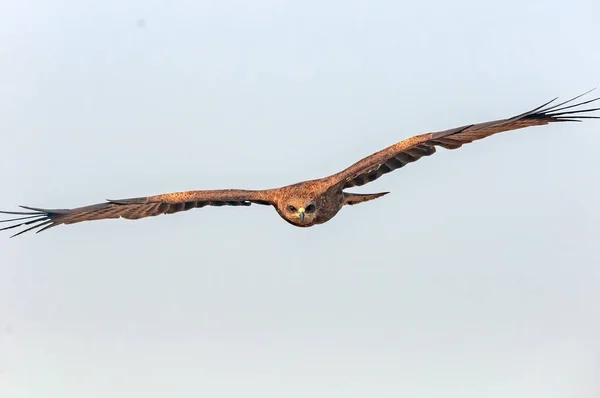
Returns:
(312, 202)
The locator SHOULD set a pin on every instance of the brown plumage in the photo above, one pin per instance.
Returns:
(310, 202)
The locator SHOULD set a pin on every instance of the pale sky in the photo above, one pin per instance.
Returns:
(478, 276)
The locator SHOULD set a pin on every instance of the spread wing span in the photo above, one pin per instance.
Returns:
(412, 149)
(324, 190)
(133, 208)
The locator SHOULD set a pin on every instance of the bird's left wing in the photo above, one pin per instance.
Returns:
(412, 149)
(135, 208)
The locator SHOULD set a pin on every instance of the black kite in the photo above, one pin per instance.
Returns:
(310, 202)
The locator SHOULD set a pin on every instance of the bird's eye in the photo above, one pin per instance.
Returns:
(310, 208)
(291, 208)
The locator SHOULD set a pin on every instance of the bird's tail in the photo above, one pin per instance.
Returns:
(356, 198)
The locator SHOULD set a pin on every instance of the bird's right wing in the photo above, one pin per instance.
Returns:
(135, 208)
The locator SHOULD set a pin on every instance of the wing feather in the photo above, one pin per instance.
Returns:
(135, 208)
(412, 149)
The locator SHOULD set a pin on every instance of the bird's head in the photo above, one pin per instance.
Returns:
(298, 210)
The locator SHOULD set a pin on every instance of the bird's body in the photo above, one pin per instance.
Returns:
(306, 203)
(318, 200)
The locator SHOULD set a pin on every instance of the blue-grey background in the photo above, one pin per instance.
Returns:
(477, 277)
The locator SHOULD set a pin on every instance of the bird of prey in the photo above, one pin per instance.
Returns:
(313, 202)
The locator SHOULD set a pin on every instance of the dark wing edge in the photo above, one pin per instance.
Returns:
(132, 209)
(412, 149)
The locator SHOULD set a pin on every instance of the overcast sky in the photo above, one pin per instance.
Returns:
(476, 277)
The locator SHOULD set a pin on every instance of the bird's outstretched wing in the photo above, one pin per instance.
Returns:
(134, 208)
(398, 155)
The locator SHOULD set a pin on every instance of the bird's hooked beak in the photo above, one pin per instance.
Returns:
(301, 213)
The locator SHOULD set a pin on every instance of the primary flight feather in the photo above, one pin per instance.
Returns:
(306, 203)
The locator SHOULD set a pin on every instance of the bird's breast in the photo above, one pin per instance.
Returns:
(328, 206)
